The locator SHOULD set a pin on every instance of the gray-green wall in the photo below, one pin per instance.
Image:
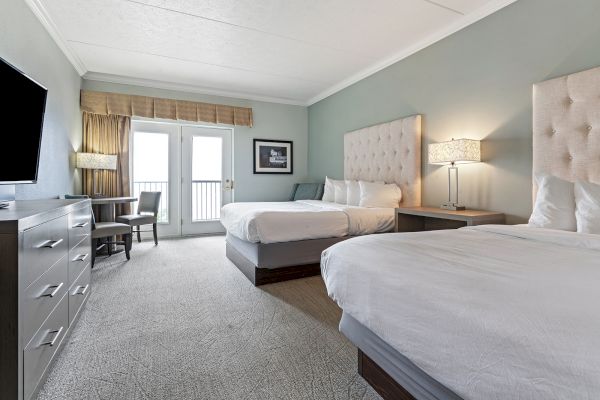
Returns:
(25, 44)
(476, 83)
(271, 121)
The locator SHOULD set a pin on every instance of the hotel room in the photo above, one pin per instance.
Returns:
(333, 199)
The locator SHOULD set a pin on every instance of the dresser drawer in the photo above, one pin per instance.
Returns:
(79, 292)
(42, 296)
(80, 225)
(42, 247)
(39, 352)
(79, 257)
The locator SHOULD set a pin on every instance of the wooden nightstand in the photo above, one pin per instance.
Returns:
(416, 219)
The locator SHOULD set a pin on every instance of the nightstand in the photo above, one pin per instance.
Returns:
(416, 219)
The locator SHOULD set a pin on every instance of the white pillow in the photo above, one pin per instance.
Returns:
(587, 200)
(373, 194)
(340, 191)
(554, 206)
(328, 190)
(352, 193)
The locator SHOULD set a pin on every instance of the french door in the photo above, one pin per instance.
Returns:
(206, 178)
(191, 166)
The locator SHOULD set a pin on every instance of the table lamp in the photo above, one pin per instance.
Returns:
(96, 161)
(451, 153)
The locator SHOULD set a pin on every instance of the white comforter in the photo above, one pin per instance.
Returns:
(491, 312)
(303, 219)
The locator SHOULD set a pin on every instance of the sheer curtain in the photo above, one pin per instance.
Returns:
(108, 134)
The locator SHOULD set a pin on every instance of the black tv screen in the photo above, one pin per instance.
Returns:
(22, 107)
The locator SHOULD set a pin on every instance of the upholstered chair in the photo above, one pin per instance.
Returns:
(147, 213)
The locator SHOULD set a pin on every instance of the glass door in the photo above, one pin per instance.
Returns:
(155, 168)
(206, 174)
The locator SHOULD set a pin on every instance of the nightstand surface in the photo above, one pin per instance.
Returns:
(411, 219)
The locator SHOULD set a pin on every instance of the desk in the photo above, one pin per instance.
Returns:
(107, 206)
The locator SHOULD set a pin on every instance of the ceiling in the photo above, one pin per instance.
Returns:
(288, 51)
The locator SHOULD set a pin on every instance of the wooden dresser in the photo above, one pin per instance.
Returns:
(45, 253)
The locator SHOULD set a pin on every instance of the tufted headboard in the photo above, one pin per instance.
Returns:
(566, 127)
(389, 152)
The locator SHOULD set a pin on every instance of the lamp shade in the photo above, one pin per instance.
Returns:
(96, 161)
(455, 151)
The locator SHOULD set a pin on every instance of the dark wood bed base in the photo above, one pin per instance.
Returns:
(263, 276)
(379, 380)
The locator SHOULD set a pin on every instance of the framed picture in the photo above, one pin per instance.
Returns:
(273, 156)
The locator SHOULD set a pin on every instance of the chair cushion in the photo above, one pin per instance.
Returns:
(106, 229)
(307, 191)
(136, 219)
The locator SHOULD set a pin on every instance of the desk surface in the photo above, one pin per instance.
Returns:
(113, 200)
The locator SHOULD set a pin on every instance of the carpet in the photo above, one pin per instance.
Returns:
(179, 321)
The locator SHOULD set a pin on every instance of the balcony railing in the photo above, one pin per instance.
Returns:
(206, 199)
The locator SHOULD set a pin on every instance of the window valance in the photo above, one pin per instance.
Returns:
(104, 103)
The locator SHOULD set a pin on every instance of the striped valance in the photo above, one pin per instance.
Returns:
(153, 107)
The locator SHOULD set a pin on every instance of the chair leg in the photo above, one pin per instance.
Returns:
(127, 239)
(139, 235)
(155, 233)
(94, 247)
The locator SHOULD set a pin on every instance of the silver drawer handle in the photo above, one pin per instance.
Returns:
(54, 339)
(50, 244)
(81, 257)
(83, 292)
(81, 225)
(52, 293)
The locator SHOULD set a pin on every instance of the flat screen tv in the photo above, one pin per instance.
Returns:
(22, 108)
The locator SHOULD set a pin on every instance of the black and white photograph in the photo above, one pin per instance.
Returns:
(273, 156)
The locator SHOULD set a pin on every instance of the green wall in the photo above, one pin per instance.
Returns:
(477, 83)
(25, 43)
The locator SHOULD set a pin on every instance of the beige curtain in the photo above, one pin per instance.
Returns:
(108, 134)
(104, 103)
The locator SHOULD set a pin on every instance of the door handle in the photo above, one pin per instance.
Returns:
(81, 225)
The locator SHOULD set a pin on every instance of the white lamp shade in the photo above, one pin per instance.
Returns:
(96, 161)
(455, 151)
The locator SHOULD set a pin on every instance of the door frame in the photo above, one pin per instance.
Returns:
(176, 163)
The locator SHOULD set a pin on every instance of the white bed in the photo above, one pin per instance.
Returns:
(276, 222)
(490, 312)
(270, 242)
(487, 312)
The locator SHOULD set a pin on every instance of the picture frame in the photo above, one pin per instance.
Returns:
(273, 156)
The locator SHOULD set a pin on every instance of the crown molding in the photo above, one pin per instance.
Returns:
(180, 87)
(461, 23)
(43, 16)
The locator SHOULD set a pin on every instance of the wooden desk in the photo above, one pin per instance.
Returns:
(107, 206)
(416, 219)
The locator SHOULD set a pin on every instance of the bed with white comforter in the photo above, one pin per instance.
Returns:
(274, 222)
(490, 312)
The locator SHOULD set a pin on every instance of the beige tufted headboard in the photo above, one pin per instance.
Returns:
(566, 127)
(389, 152)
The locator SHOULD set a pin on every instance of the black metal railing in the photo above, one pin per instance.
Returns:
(206, 198)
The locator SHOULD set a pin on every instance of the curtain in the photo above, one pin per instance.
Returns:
(104, 103)
(108, 134)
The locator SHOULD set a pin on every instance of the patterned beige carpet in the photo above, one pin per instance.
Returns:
(179, 321)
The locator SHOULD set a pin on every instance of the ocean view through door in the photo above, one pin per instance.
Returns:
(192, 168)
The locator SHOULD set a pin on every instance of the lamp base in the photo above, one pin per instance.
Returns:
(452, 207)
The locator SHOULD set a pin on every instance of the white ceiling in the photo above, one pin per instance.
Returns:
(289, 51)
